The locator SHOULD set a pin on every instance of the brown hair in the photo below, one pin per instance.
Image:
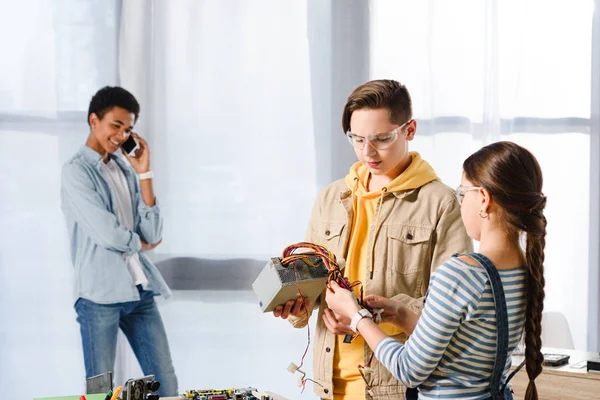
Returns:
(385, 93)
(513, 177)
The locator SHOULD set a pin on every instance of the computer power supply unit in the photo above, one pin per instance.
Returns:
(278, 283)
(143, 388)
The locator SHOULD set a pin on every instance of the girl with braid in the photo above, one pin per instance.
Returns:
(478, 304)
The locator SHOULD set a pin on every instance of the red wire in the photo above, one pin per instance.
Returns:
(334, 274)
(307, 318)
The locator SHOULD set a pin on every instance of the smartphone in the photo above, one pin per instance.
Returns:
(130, 146)
(555, 360)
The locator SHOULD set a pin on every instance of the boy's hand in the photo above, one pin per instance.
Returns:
(141, 161)
(295, 308)
(147, 246)
(336, 324)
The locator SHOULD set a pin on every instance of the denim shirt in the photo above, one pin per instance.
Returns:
(98, 243)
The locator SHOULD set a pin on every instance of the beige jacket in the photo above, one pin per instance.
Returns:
(418, 230)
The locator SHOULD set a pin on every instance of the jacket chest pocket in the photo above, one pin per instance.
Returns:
(329, 234)
(408, 248)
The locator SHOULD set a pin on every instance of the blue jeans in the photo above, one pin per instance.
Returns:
(141, 323)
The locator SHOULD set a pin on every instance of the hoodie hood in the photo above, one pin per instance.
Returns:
(417, 174)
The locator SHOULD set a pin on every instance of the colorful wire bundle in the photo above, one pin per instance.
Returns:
(290, 255)
(328, 258)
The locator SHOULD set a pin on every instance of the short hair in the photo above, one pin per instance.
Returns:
(109, 97)
(379, 94)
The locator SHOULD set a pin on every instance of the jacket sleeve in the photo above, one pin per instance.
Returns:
(82, 204)
(449, 237)
(315, 218)
(150, 221)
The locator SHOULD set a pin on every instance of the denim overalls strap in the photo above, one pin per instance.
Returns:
(497, 386)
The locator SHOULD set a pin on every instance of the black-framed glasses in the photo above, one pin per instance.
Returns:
(380, 141)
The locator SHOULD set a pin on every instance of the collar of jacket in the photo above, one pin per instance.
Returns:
(400, 195)
(94, 158)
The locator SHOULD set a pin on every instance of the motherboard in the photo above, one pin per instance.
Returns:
(231, 394)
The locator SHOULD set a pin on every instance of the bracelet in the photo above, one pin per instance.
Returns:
(146, 175)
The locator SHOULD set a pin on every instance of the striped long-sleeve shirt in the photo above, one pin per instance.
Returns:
(451, 351)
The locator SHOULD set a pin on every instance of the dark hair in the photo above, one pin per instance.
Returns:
(109, 97)
(513, 177)
(385, 93)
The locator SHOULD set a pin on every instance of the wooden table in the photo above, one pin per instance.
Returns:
(569, 382)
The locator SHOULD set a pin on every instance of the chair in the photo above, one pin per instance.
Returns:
(555, 331)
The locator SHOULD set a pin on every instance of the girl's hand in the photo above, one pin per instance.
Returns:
(392, 309)
(341, 301)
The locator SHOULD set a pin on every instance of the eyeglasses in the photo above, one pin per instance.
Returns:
(461, 190)
(380, 141)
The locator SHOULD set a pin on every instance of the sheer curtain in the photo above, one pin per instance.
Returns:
(241, 103)
(481, 71)
(225, 89)
(226, 105)
(54, 56)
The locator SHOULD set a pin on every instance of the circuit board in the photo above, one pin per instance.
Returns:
(230, 394)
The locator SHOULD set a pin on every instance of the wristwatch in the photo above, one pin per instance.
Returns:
(146, 175)
(362, 313)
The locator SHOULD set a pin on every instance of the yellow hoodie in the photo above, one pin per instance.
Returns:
(347, 382)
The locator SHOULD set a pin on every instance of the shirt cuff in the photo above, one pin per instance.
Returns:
(144, 210)
(135, 244)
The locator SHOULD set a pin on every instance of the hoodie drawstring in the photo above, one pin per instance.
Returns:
(354, 213)
(354, 200)
(372, 249)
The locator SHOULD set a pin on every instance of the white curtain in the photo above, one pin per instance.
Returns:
(55, 55)
(481, 71)
(226, 103)
(235, 101)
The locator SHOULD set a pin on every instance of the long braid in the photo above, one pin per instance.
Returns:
(536, 240)
(513, 177)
